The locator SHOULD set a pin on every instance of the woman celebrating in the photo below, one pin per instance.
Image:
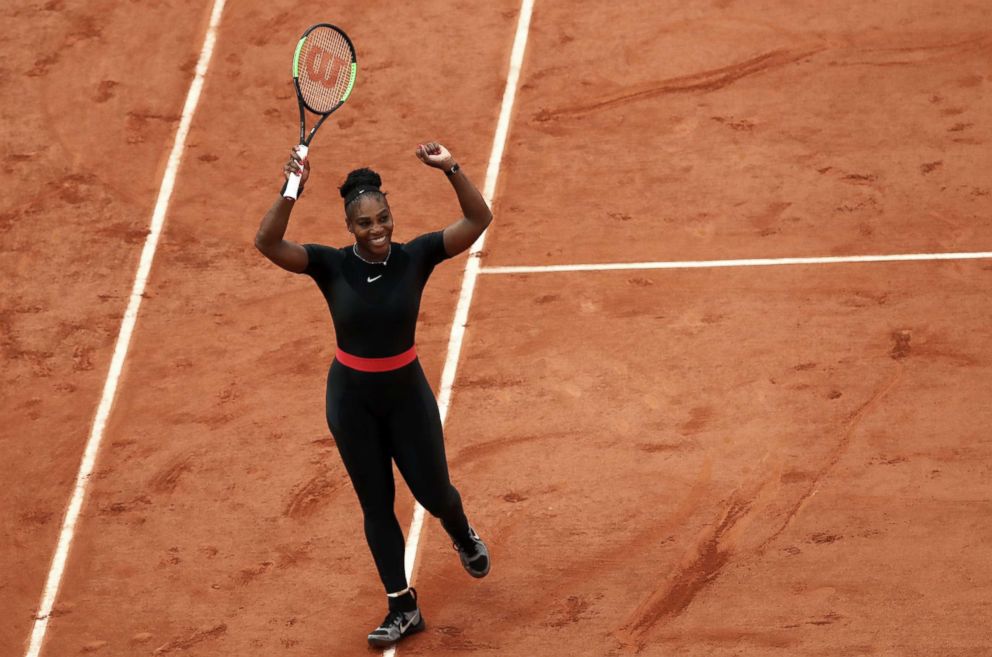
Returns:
(379, 405)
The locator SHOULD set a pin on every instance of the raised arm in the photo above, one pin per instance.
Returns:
(269, 238)
(460, 235)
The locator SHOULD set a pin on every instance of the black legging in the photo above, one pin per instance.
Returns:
(380, 417)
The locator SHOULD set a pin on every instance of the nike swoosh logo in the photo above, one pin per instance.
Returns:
(372, 280)
(414, 619)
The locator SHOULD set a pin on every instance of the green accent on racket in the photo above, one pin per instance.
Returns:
(351, 82)
(296, 58)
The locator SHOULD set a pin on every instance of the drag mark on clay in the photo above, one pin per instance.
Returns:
(853, 421)
(575, 609)
(196, 637)
(118, 508)
(715, 546)
(451, 637)
(473, 453)
(167, 480)
(911, 53)
(310, 496)
(704, 81)
(701, 566)
(646, 541)
(248, 575)
(822, 538)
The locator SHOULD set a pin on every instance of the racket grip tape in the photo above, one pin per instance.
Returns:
(292, 190)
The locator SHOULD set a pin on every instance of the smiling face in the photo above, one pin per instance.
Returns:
(371, 222)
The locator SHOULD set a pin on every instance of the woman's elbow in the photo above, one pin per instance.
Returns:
(261, 243)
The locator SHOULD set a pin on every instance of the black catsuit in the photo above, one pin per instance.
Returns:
(379, 417)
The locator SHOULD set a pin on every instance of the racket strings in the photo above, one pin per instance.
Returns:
(325, 69)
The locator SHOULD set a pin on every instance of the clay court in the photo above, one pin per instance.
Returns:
(686, 419)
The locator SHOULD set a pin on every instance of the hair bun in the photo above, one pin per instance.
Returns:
(363, 177)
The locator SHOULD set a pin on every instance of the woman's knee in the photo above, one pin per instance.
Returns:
(442, 503)
(377, 510)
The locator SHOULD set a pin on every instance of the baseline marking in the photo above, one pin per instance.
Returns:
(755, 262)
(54, 580)
(473, 265)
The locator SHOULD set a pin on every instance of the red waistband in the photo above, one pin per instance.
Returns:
(377, 364)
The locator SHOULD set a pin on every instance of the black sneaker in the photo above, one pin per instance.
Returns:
(395, 626)
(475, 558)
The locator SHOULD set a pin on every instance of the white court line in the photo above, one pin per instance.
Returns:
(54, 580)
(756, 262)
(472, 266)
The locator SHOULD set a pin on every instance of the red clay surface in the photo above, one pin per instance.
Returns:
(85, 127)
(740, 462)
(697, 463)
(221, 511)
(749, 129)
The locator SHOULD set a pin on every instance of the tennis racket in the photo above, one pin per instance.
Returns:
(324, 70)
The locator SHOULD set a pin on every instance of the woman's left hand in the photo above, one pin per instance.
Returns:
(433, 154)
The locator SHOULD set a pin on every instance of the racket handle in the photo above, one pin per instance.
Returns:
(293, 184)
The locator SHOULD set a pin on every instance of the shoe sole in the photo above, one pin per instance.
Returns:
(477, 574)
(414, 629)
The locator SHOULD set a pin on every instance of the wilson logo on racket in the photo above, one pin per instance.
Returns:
(325, 68)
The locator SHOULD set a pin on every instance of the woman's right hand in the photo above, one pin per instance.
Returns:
(298, 165)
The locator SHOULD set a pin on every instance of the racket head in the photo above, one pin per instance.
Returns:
(324, 68)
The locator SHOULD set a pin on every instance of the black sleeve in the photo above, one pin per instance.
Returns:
(431, 246)
(320, 261)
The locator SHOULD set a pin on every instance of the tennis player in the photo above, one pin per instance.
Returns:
(379, 405)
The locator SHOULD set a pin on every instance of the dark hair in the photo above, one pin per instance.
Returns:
(361, 181)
